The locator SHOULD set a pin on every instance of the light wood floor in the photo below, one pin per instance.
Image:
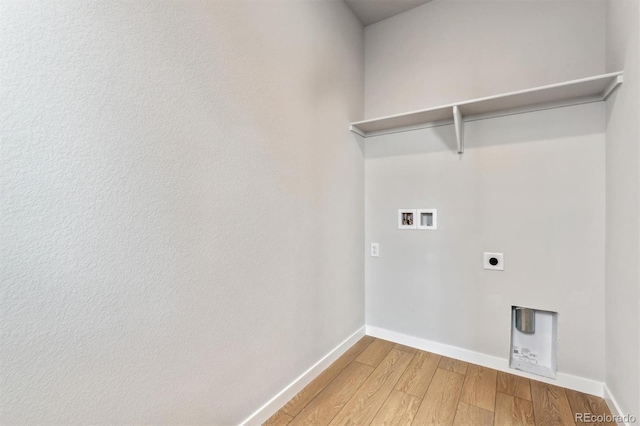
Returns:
(381, 383)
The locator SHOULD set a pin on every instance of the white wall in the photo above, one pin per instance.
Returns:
(181, 214)
(453, 50)
(623, 208)
(531, 185)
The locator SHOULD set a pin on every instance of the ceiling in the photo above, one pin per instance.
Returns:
(371, 11)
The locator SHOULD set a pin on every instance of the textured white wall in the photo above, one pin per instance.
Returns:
(181, 214)
(530, 185)
(623, 208)
(452, 50)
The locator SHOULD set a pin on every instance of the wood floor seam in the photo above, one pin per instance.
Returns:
(394, 385)
(407, 393)
(357, 390)
(535, 420)
(365, 403)
(456, 413)
(382, 405)
(495, 401)
(309, 392)
(459, 374)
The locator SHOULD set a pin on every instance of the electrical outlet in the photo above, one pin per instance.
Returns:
(375, 250)
(494, 261)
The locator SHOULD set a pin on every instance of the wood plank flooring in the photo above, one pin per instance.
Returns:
(382, 383)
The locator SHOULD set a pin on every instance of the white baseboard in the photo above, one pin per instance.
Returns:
(263, 413)
(568, 381)
(613, 405)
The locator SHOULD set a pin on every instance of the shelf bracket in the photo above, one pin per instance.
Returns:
(459, 125)
(357, 131)
(612, 87)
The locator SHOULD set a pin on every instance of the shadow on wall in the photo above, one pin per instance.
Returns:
(423, 141)
(359, 141)
(557, 123)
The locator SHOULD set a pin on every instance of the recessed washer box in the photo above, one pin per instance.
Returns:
(494, 261)
(427, 219)
(407, 219)
(535, 352)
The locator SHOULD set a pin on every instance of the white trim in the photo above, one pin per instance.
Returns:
(263, 413)
(569, 381)
(613, 404)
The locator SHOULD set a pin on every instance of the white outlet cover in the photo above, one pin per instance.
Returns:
(487, 261)
(375, 250)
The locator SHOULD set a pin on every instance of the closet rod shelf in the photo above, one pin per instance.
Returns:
(591, 89)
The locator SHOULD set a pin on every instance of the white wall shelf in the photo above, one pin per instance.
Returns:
(575, 92)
